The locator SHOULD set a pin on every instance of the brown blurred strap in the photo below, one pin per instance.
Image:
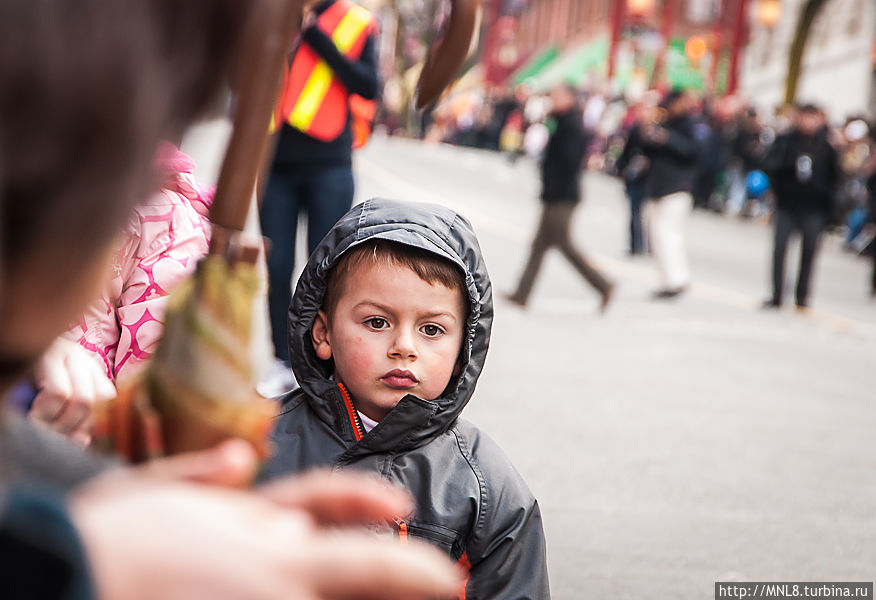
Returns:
(269, 34)
(447, 54)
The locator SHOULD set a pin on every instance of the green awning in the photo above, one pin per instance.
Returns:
(681, 72)
(535, 64)
(573, 66)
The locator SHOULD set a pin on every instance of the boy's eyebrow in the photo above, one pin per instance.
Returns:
(390, 310)
(439, 314)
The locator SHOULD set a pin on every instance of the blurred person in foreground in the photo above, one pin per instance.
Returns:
(561, 168)
(86, 93)
(804, 171)
(669, 142)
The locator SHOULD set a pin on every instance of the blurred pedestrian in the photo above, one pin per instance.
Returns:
(854, 157)
(335, 58)
(669, 143)
(560, 193)
(709, 133)
(804, 171)
(632, 165)
(871, 224)
(747, 154)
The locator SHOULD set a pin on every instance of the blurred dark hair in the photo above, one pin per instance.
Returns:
(671, 97)
(809, 108)
(87, 90)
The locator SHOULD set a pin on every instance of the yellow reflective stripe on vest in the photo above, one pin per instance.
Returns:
(344, 36)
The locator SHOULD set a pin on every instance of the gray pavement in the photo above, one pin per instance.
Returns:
(670, 444)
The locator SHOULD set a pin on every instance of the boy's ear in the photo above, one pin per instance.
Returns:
(319, 335)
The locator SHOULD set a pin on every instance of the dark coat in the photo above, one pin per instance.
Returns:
(563, 159)
(794, 191)
(632, 164)
(871, 198)
(470, 501)
(673, 164)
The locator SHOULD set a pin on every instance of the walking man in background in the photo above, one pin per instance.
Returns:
(804, 171)
(669, 144)
(334, 59)
(561, 193)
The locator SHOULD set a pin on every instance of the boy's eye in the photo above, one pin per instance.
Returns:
(431, 330)
(377, 323)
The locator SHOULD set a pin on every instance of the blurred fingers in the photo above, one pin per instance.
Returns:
(73, 415)
(340, 498)
(230, 464)
(47, 406)
(354, 565)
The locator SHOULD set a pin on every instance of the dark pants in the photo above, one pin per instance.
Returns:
(553, 230)
(325, 195)
(809, 224)
(636, 195)
(704, 187)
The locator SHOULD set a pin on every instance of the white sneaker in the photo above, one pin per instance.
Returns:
(278, 382)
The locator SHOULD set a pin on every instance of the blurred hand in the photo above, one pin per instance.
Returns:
(150, 534)
(70, 382)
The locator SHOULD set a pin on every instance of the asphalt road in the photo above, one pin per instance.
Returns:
(671, 445)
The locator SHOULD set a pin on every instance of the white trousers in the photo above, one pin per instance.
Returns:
(667, 217)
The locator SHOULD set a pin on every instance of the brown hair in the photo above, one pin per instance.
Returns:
(428, 266)
(87, 89)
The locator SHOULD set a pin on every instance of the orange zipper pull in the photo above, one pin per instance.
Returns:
(402, 531)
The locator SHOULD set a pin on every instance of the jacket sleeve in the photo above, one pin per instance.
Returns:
(632, 145)
(777, 164)
(683, 145)
(170, 246)
(507, 555)
(359, 77)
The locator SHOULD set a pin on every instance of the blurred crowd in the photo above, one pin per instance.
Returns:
(737, 141)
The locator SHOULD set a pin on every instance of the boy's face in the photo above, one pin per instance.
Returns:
(391, 334)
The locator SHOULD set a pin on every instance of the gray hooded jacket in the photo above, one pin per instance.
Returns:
(470, 501)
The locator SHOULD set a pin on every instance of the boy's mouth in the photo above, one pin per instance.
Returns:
(399, 379)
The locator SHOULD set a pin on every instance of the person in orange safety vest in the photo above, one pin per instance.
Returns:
(333, 65)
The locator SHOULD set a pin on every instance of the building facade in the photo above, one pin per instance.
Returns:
(838, 65)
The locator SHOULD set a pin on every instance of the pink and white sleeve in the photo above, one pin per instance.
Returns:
(173, 237)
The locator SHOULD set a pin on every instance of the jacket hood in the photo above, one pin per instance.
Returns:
(430, 227)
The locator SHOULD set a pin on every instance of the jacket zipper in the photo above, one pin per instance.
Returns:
(355, 421)
(465, 565)
(402, 531)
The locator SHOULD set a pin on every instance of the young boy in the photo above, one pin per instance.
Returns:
(389, 330)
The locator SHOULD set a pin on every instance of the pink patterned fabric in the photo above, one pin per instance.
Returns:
(164, 240)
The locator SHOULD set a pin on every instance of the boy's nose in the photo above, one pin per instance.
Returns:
(403, 345)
